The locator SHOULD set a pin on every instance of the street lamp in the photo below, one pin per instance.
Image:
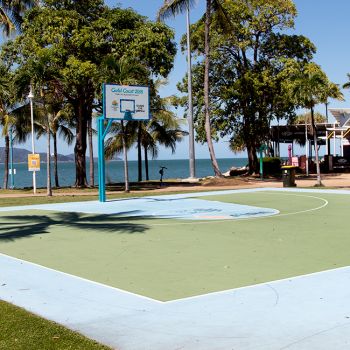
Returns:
(31, 96)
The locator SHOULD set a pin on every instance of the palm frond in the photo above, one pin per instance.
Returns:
(6, 23)
(222, 17)
(66, 133)
(174, 7)
(12, 12)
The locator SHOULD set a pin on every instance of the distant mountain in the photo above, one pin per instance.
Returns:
(20, 155)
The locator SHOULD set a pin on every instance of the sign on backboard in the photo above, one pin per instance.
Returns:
(126, 102)
(34, 162)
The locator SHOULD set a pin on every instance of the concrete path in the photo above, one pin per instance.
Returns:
(302, 313)
(309, 312)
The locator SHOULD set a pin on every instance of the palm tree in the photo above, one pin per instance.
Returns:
(306, 117)
(172, 8)
(11, 13)
(311, 87)
(123, 137)
(6, 120)
(164, 129)
(59, 124)
(177, 6)
(13, 121)
(39, 74)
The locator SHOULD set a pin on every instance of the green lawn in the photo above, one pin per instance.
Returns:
(21, 330)
(168, 259)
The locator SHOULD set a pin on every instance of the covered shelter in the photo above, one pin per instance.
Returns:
(327, 135)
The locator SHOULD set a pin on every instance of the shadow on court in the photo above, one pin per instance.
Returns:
(24, 226)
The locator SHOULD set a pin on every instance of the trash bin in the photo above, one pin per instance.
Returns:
(288, 176)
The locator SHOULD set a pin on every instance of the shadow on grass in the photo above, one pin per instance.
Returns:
(24, 226)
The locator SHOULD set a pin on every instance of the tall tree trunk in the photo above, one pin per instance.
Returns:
(6, 161)
(146, 163)
(252, 158)
(55, 162)
(319, 183)
(91, 153)
(126, 167)
(214, 162)
(80, 145)
(48, 160)
(139, 152)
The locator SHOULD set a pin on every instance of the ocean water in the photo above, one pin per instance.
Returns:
(176, 169)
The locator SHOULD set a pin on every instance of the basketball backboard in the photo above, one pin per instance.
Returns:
(125, 102)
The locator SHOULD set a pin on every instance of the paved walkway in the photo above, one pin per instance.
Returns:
(304, 313)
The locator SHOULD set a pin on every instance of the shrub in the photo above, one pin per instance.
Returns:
(272, 166)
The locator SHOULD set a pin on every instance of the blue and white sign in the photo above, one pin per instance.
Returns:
(126, 102)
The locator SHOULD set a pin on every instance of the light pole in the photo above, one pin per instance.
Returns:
(31, 96)
(190, 99)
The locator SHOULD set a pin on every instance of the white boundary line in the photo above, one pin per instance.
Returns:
(260, 284)
(325, 203)
(139, 296)
(213, 221)
(81, 278)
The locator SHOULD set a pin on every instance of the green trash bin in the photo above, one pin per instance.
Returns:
(288, 176)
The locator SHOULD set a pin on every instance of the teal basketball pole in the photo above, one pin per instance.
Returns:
(102, 132)
(261, 149)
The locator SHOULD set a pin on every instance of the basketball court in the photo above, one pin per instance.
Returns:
(240, 269)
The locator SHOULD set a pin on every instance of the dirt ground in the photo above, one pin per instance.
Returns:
(328, 180)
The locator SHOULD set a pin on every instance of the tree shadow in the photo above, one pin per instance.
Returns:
(24, 226)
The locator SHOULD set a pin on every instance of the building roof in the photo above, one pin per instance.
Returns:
(342, 116)
(290, 133)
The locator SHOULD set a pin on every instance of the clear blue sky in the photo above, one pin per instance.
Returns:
(324, 22)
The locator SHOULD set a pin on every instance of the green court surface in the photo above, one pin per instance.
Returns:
(168, 259)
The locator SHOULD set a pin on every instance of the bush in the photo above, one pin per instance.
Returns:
(272, 166)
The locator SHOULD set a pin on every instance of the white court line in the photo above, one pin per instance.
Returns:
(82, 278)
(139, 296)
(325, 203)
(259, 284)
(213, 221)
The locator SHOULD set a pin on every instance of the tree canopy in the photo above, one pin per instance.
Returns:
(66, 43)
(248, 61)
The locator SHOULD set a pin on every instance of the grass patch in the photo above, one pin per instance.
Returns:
(77, 197)
(17, 201)
(20, 329)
